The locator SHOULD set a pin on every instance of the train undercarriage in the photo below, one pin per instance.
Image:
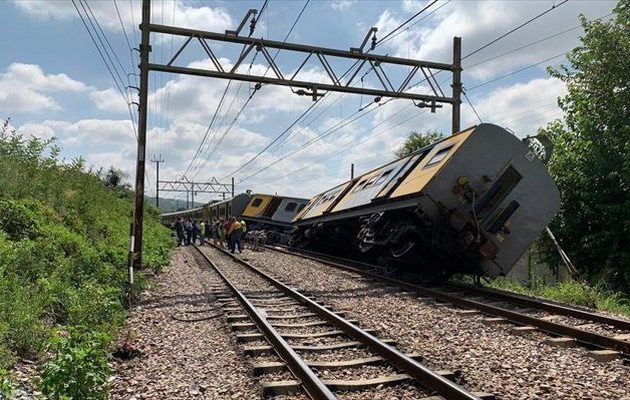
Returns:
(400, 242)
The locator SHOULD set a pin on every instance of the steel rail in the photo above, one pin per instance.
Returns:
(313, 386)
(545, 305)
(426, 377)
(589, 339)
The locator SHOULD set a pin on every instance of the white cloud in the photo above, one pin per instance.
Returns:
(41, 131)
(521, 107)
(122, 160)
(479, 22)
(23, 88)
(108, 100)
(342, 5)
(93, 133)
(206, 18)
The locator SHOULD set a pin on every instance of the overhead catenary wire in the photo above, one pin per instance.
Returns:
(349, 69)
(490, 43)
(220, 105)
(390, 37)
(279, 137)
(384, 38)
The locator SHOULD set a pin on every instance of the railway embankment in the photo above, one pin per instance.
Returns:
(63, 255)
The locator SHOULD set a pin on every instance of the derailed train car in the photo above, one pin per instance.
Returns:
(260, 211)
(470, 203)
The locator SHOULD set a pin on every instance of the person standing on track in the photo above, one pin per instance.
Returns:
(226, 229)
(189, 232)
(179, 230)
(221, 232)
(235, 234)
(244, 226)
(202, 233)
(195, 231)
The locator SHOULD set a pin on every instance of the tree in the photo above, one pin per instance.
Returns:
(591, 160)
(416, 141)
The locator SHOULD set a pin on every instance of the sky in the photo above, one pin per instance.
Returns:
(55, 84)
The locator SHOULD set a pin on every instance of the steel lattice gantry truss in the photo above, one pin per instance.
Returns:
(336, 82)
(196, 187)
(193, 188)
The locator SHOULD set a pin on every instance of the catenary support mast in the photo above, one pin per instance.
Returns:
(145, 49)
(457, 84)
(157, 161)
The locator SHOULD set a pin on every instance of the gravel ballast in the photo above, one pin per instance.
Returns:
(181, 360)
(491, 357)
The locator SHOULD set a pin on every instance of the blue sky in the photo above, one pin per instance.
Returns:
(54, 84)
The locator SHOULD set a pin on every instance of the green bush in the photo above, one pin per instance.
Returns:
(64, 239)
(78, 369)
(7, 384)
(17, 220)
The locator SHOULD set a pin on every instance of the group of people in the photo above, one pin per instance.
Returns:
(228, 233)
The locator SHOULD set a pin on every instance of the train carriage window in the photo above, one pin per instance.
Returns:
(382, 178)
(439, 156)
(369, 182)
(358, 186)
(290, 207)
(301, 207)
(499, 190)
(256, 203)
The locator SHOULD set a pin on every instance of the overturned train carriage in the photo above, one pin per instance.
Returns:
(470, 203)
(264, 212)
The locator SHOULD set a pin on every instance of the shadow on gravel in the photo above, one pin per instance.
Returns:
(174, 300)
(354, 293)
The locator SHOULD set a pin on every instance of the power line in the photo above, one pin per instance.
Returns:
(279, 137)
(85, 2)
(407, 21)
(414, 24)
(352, 143)
(471, 105)
(321, 136)
(274, 141)
(220, 105)
(553, 7)
(484, 83)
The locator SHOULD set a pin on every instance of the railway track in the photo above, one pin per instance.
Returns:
(606, 337)
(306, 335)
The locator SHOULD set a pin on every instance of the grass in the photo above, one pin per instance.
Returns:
(572, 292)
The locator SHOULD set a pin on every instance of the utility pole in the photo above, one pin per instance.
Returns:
(457, 83)
(192, 195)
(138, 214)
(157, 162)
(232, 186)
(352, 171)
